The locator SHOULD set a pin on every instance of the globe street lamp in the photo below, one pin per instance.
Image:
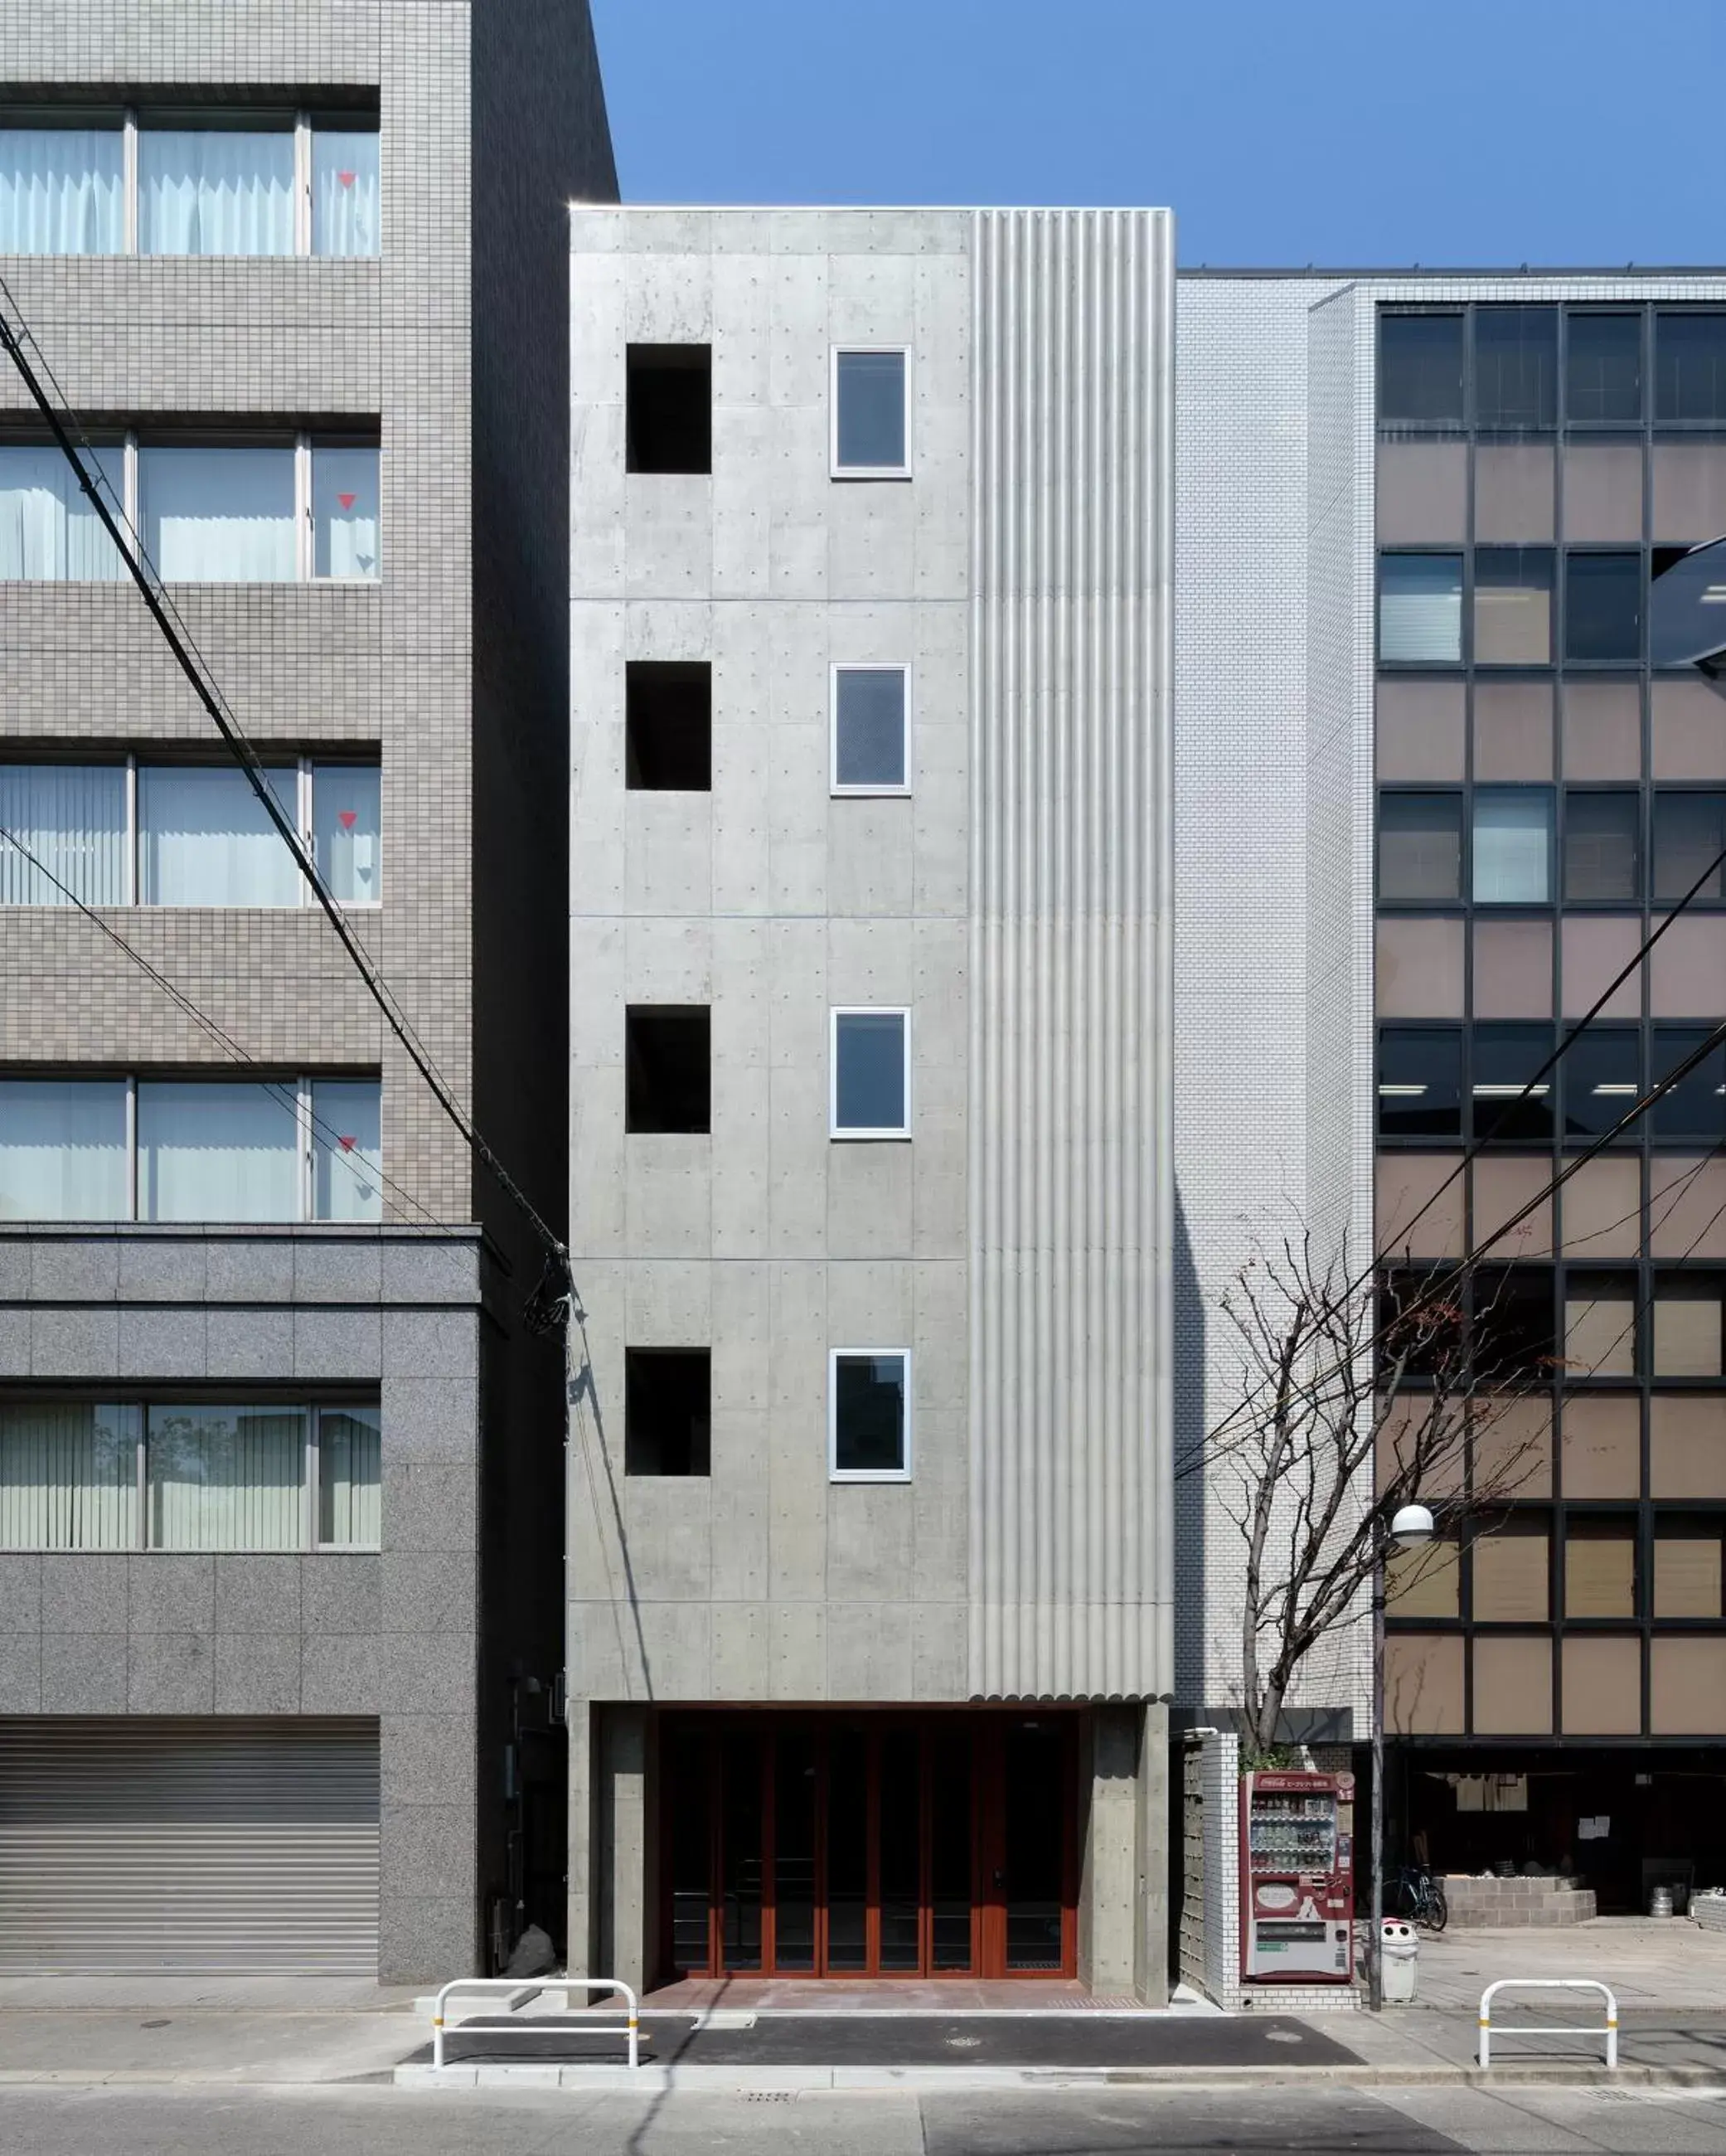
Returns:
(1410, 1525)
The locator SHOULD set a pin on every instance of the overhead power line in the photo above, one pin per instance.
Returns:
(144, 576)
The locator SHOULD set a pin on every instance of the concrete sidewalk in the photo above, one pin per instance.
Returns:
(1666, 1966)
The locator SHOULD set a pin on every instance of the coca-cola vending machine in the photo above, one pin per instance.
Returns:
(1298, 1878)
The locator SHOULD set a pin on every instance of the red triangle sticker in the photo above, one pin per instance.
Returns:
(348, 1144)
(347, 818)
(347, 178)
(347, 501)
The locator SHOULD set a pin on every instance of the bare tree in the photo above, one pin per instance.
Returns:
(1358, 1396)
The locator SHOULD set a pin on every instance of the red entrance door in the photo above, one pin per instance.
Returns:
(877, 1846)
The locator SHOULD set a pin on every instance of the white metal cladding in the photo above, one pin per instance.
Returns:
(1071, 1182)
(206, 1847)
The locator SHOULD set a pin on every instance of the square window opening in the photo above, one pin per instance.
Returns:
(668, 412)
(1603, 375)
(667, 1411)
(1515, 366)
(1603, 608)
(1420, 610)
(1420, 1082)
(870, 1412)
(1419, 848)
(1601, 1069)
(668, 1054)
(668, 725)
(1420, 370)
(1602, 833)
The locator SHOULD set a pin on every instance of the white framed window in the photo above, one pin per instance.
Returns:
(869, 1414)
(869, 400)
(191, 1149)
(293, 508)
(869, 719)
(870, 1057)
(131, 832)
(201, 1475)
(242, 182)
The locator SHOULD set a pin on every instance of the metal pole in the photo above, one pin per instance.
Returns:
(1375, 1936)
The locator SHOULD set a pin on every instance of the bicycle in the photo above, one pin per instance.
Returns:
(1422, 1899)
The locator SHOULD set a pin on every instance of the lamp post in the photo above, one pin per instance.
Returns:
(1410, 1525)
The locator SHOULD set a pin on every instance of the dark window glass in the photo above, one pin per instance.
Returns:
(1420, 1322)
(1600, 845)
(1690, 367)
(1516, 366)
(1420, 369)
(1695, 1106)
(1421, 1082)
(1513, 1334)
(870, 1421)
(1506, 1059)
(667, 1418)
(1603, 607)
(1420, 847)
(1603, 377)
(1689, 837)
(869, 432)
(1602, 1072)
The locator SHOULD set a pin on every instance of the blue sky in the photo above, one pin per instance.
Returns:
(1348, 132)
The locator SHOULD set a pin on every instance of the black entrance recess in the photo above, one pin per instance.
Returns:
(869, 1846)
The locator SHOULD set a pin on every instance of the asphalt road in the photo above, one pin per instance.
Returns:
(199, 2120)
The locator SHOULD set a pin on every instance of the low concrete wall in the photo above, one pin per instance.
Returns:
(1496, 1904)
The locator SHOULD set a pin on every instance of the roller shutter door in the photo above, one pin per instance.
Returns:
(209, 1847)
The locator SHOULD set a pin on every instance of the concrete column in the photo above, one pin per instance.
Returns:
(1123, 1861)
(583, 1840)
(622, 1887)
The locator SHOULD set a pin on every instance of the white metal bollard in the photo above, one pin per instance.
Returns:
(1609, 2032)
(517, 1992)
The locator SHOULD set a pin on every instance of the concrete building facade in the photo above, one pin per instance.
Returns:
(869, 1566)
(298, 273)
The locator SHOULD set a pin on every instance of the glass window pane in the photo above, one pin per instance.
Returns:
(204, 839)
(1603, 607)
(1512, 846)
(1603, 377)
(1695, 1106)
(215, 191)
(344, 511)
(868, 1415)
(61, 190)
(48, 532)
(349, 1441)
(1687, 1325)
(1600, 1324)
(217, 1151)
(226, 1478)
(1601, 1071)
(344, 191)
(1513, 606)
(1420, 370)
(215, 516)
(1506, 1061)
(1601, 846)
(63, 1149)
(869, 726)
(347, 818)
(1689, 839)
(1690, 366)
(869, 1070)
(347, 1149)
(870, 431)
(1421, 607)
(1419, 846)
(69, 1475)
(1600, 1568)
(1420, 1082)
(1515, 366)
(1511, 1330)
(72, 818)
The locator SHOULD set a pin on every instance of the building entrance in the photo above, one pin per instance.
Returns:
(869, 1845)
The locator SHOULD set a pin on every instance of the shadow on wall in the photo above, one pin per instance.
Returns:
(1189, 1467)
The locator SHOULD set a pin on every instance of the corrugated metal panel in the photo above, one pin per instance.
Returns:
(1071, 1182)
(219, 1846)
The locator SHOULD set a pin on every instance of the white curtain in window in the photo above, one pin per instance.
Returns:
(215, 191)
(47, 529)
(348, 1475)
(1513, 850)
(218, 517)
(61, 190)
(344, 512)
(205, 839)
(347, 1149)
(1421, 607)
(69, 1475)
(226, 1478)
(217, 1151)
(63, 1149)
(347, 818)
(72, 818)
(343, 192)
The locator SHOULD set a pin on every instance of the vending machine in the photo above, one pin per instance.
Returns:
(1298, 1878)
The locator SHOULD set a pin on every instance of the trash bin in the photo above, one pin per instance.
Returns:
(1399, 1960)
